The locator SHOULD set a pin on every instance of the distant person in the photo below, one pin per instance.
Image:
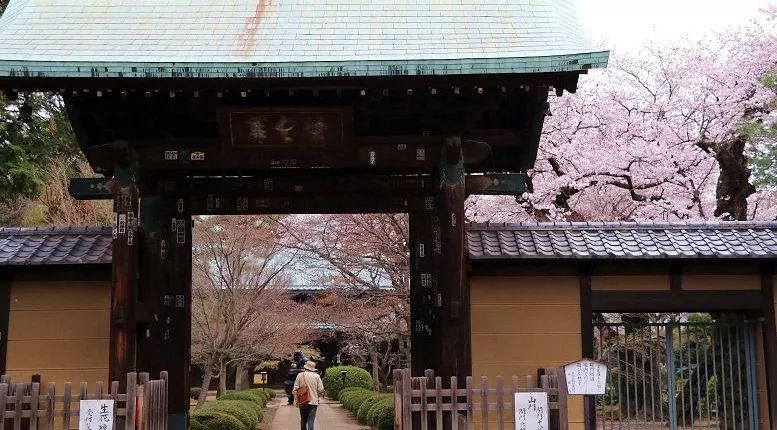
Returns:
(307, 386)
(288, 383)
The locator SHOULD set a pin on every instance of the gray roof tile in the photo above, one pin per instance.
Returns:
(55, 246)
(622, 240)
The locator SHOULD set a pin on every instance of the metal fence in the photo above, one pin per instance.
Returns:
(677, 375)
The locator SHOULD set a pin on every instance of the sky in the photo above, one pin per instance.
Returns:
(627, 24)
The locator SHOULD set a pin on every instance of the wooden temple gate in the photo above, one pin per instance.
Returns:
(252, 135)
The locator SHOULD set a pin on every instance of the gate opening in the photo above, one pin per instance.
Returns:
(678, 371)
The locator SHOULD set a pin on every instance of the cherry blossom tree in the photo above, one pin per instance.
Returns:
(363, 259)
(664, 134)
(241, 311)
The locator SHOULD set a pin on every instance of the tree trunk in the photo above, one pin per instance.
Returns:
(240, 377)
(222, 379)
(206, 377)
(375, 367)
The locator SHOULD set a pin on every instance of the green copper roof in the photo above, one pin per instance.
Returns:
(291, 38)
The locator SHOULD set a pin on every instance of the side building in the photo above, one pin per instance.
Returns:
(55, 293)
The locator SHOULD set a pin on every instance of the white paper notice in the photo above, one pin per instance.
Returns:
(95, 415)
(531, 411)
(586, 377)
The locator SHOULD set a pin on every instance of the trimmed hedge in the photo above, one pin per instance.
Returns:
(354, 377)
(381, 414)
(370, 407)
(214, 420)
(248, 412)
(258, 398)
(235, 410)
(366, 406)
(352, 399)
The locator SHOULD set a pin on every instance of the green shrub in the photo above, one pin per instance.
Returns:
(197, 425)
(354, 377)
(260, 398)
(381, 414)
(366, 405)
(247, 412)
(194, 392)
(353, 399)
(215, 420)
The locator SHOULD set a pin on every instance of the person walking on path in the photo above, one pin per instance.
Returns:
(309, 379)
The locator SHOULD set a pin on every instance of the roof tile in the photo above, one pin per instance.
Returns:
(54, 246)
(648, 240)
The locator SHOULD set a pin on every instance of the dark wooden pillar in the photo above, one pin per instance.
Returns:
(587, 337)
(151, 310)
(176, 323)
(453, 299)
(125, 262)
(424, 259)
(770, 340)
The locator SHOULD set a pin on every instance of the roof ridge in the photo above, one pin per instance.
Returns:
(68, 230)
(626, 225)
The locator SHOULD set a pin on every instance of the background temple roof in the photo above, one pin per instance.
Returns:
(291, 38)
(626, 240)
(547, 241)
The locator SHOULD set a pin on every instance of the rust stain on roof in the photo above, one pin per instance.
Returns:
(247, 36)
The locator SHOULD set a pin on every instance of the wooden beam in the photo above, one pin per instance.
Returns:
(770, 339)
(205, 155)
(454, 297)
(345, 203)
(125, 264)
(496, 184)
(90, 188)
(675, 301)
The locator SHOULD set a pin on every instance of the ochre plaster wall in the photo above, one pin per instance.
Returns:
(630, 283)
(520, 324)
(59, 330)
(721, 282)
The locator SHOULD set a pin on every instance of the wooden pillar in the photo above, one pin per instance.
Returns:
(176, 323)
(125, 263)
(150, 312)
(453, 298)
(770, 340)
(587, 337)
(424, 258)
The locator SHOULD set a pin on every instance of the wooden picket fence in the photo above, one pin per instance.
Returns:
(142, 407)
(416, 397)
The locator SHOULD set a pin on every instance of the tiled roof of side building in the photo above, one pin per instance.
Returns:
(625, 240)
(55, 246)
(291, 38)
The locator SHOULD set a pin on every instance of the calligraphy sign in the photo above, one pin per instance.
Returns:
(95, 415)
(531, 411)
(586, 377)
(279, 127)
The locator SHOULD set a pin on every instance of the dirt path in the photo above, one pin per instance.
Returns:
(330, 416)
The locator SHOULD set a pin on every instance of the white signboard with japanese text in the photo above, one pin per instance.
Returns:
(586, 377)
(95, 415)
(531, 411)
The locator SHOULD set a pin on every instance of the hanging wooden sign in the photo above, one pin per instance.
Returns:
(586, 377)
(277, 127)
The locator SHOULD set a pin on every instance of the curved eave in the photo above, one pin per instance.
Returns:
(288, 70)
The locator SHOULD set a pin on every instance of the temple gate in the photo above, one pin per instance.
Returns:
(261, 107)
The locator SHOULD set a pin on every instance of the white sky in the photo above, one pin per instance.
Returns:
(626, 24)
